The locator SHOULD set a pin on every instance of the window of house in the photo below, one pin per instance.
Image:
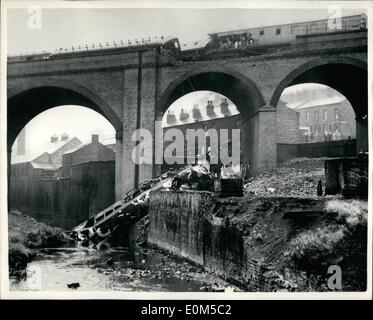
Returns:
(261, 32)
(336, 114)
(325, 117)
(278, 31)
(325, 129)
(307, 116)
(316, 116)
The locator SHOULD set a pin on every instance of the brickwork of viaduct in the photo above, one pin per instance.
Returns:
(133, 89)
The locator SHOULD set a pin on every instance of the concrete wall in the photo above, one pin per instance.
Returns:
(237, 238)
(181, 222)
(176, 222)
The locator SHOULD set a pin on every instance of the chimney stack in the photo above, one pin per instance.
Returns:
(183, 115)
(196, 113)
(224, 106)
(94, 138)
(54, 138)
(210, 109)
(64, 136)
(171, 117)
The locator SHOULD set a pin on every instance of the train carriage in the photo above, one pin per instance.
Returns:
(253, 41)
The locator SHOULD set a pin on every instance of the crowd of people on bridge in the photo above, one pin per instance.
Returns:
(234, 41)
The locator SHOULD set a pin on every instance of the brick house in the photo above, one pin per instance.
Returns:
(329, 119)
(324, 114)
(226, 116)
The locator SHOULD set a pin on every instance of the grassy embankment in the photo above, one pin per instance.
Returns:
(343, 243)
(26, 236)
(340, 240)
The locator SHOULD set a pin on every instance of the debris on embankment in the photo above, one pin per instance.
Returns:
(296, 177)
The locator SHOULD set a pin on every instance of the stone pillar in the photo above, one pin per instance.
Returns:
(361, 134)
(118, 169)
(259, 140)
(129, 126)
(139, 112)
(147, 116)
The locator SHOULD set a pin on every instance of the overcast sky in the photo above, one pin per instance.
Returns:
(64, 28)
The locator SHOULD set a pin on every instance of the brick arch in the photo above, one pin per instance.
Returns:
(241, 90)
(347, 75)
(31, 98)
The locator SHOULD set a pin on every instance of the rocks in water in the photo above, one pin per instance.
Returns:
(73, 285)
(110, 262)
(215, 287)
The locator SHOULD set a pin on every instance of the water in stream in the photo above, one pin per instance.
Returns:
(113, 269)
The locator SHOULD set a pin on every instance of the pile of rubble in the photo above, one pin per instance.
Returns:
(296, 177)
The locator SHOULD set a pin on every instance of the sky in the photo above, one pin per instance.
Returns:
(64, 28)
(67, 119)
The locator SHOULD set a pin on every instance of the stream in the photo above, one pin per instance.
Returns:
(114, 269)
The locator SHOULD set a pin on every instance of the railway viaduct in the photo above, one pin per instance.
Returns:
(133, 88)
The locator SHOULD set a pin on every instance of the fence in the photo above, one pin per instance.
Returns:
(67, 201)
(330, 149)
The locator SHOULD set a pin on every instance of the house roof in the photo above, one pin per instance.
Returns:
(84, 145)
(309, 103)
(15, 159)
(77, 148)
(47, 147)
(44, 166)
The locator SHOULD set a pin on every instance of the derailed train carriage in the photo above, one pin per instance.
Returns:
(167, 46)
(256, 41)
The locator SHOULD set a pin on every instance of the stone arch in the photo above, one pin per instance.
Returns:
(244, 93)
(241, 90)
(336, 72)
(35, 96)
(347, 75)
